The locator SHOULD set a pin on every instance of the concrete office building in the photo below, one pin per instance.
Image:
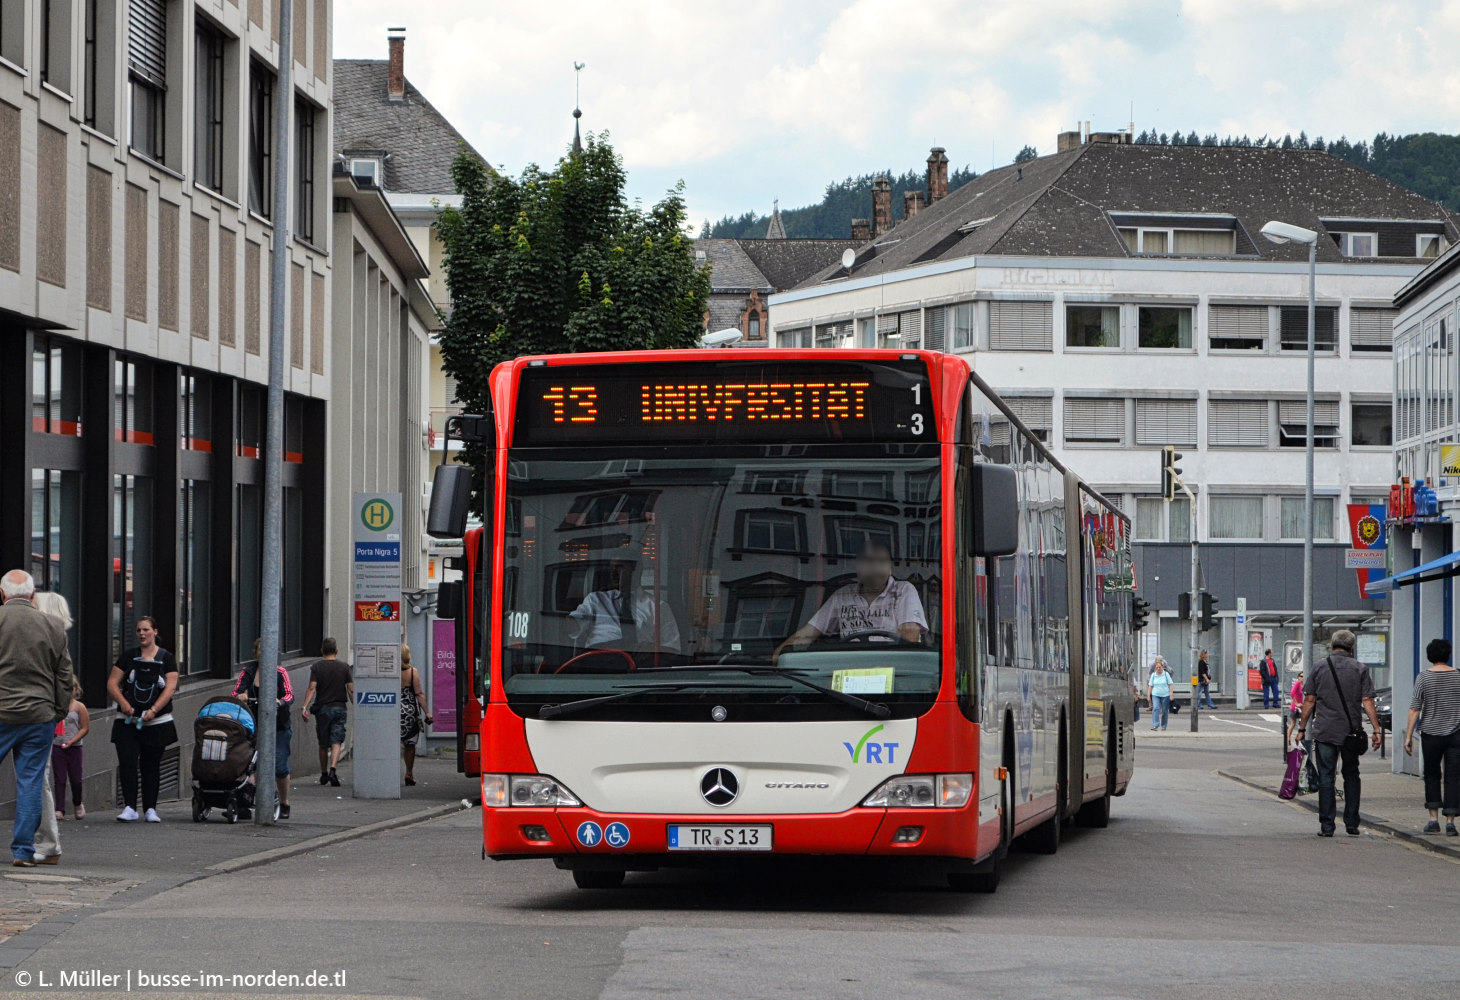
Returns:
(1121, 298)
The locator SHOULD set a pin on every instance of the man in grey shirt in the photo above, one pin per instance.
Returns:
(1331, 706)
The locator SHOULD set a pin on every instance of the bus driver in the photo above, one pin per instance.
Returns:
(875, 603)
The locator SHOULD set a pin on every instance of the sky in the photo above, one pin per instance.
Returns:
(757, 100)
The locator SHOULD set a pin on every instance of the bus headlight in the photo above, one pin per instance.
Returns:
(501, 790)
(540, 790)
(917, 791)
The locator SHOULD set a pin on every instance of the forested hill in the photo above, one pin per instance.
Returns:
(1427, 162)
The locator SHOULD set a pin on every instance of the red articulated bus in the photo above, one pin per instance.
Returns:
(783, 603)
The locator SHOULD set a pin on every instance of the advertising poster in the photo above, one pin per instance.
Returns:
(443, 677)
(1368, 535)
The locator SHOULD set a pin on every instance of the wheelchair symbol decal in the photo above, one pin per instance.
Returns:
(616, 834)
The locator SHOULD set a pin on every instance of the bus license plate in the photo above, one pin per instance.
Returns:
(719, 837)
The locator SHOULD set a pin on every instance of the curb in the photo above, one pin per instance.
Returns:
(1428, 843)
(325, 840)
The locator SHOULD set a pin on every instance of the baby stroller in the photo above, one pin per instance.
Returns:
(224, 757)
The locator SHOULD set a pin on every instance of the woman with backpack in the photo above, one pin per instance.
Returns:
(142, 683)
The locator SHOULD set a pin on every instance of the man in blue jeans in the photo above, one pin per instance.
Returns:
(1337, 693)
(35, 691)
(1204, 681)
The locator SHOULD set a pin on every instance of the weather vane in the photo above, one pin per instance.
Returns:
(577, 76)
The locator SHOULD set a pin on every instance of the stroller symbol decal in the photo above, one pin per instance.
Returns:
(590, 834)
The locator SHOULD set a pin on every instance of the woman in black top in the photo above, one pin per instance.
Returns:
(142, 683)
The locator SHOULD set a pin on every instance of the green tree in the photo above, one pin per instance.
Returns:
(559, 262)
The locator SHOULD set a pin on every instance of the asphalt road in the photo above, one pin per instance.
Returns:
(1199, 888)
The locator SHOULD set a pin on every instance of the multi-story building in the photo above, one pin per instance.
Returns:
(1122, 299)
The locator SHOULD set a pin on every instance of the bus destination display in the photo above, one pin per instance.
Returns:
(679, 402)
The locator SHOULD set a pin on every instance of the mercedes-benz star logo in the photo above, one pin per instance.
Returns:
(719, 786)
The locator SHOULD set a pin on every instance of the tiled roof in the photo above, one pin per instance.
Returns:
(1061, 205)
(731, 269)
(420, 142)
(787, 262)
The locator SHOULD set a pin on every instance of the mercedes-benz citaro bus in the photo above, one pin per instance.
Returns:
(761, 602)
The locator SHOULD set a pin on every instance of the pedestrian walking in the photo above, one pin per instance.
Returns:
(1337, 693)
(1204, 681)
(35, 691)
(330, 690)
(141, 683)
(1436, 708)
(68, 754)
(247, 691)
(48, 834)
(412, 700)
(1267, 671)
(1158, 689)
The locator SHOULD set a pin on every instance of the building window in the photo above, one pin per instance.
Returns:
(1160, 521)
(89, 66)
(1187, 242)
(1370, 330)
(768, 616)
(1092, 326)
(849, 535)
(12, 33)
(752, 327)
(867, 332)
(960, 322)
(1293, 323)
(1166, 421)
(1373, 425)
(304, 113)
(131, 556)
(775, 482)
(1237, 328)
(832, 335)
(56, 388)
(859, 485)
(147, 76)
(1021, 326)
(56, 44)
(1237, 423)
(608, 509)
(795, 338)
(1293, 423)
(132, 402)
(1165, 327)
(194, 563)
(260, 141)
(772, 531)
(1236, 518)
(208, 109)
(1357, 244)
(1430, 245)
(1036, 413)
(1292, 518)
(1094, 421)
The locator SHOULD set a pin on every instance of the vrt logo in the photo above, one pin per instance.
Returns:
(874, 751)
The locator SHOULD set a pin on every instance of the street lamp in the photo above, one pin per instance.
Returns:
(1282, 232)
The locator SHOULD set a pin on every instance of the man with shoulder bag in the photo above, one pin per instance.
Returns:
(1338, 691)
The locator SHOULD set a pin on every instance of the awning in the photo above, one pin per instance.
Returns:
(1435, 570)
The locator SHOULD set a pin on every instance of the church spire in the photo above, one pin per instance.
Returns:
(577, 111)
(777, 229)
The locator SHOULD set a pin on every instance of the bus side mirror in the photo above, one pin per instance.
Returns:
(995, 510)
(450, 501)
(448, 599)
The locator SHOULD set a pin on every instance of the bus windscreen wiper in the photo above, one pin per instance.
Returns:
(582, 704)
(872, 708)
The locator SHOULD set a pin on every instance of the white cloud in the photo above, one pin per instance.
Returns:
(756, 99)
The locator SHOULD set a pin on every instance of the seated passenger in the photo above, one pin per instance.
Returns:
(875, 603)
(599, 622)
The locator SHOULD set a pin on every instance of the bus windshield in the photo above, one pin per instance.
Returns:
(676, 570)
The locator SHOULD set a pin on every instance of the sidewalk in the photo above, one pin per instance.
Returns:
(102, 859)
(1391, 803)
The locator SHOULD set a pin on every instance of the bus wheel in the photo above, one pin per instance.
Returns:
(598, 879)
(1096, 814)
(985, 881)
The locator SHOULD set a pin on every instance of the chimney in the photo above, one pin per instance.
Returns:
(937, 174)
(912, 202)
(1066, 141)
(396, 85)
(861, 230)
(881, 205)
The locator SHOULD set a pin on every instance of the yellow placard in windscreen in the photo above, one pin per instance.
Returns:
(865, 680)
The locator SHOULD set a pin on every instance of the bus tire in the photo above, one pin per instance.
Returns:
(598, 879)
(985, 881)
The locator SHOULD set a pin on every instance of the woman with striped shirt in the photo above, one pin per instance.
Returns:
(1436, 707)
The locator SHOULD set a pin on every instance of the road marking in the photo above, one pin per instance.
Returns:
(1269, 718)
(1230, 722)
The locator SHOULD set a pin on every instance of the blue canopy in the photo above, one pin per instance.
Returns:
(228, 710)
(1436, 569)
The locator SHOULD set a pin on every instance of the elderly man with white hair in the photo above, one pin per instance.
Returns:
(35, 691)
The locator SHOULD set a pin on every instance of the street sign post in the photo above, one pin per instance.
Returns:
(1243, 679)
(377, 604)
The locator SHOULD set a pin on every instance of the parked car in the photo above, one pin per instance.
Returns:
(1384, 706)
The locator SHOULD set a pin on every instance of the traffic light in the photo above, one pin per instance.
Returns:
(1170, 471)
(1183, 606)
(1140, 614)
(1208, 611)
